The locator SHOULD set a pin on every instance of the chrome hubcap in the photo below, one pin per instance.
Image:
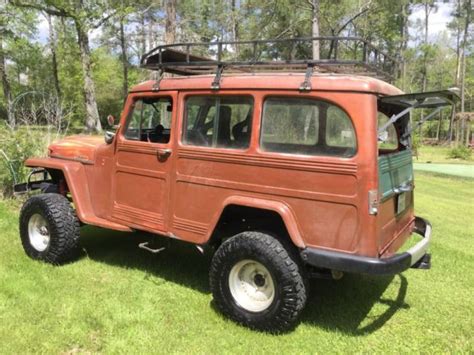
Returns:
(251, 285)
(38, 232)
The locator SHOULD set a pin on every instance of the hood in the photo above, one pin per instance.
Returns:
(81, 148)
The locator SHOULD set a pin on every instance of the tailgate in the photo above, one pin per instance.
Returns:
(396, 197)
(395, 215)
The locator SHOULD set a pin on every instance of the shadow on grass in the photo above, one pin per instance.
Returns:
(345, 306)
(348, 305)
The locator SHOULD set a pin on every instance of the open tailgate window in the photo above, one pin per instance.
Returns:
(431, 99)
(436, 100)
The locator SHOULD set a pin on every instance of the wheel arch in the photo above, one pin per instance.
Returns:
(76, 182)
(272, 208)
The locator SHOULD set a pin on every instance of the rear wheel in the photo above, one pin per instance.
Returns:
(257, 282)
(49, 229)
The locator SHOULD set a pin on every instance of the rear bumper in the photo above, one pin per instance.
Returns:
(366, 265)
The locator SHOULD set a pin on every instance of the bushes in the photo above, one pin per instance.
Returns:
(15, 147)
(39, 118)
(462, 152)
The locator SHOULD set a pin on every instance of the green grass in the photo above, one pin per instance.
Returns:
(119, 298)
(438, 154)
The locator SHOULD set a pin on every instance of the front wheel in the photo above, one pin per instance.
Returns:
(49, 229)
(257, 282)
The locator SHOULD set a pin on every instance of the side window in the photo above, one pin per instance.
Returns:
(339, 130)
(150, 120)
(389, 139)
(306, 126)
(290, 122)
(222, 122)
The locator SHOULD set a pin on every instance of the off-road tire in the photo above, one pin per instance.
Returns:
(63, 227)
(286, 272)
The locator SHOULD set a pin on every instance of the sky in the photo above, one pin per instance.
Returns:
(437, 23)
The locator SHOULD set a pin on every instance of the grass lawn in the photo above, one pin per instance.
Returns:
(119, 298)
(438, 154)
(462, 170)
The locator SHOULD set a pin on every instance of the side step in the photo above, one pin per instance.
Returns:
(145, 246)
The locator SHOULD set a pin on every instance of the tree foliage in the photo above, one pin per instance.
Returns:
(99, 43)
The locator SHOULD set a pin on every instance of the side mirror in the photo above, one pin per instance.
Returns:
(109, 137)
(111, 120)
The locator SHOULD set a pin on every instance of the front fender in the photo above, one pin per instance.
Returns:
(75, 175)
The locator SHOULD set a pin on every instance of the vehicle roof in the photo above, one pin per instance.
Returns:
(280, 81)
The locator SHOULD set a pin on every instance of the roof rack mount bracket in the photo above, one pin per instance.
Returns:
(306, 84)
(156, 85)
(216, 83)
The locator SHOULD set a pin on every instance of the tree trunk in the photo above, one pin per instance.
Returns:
(315, 28)
(170, 22)
(468, 6)
(7, 93)
(235, 26)
(424, 83)
(425, 56)
(438, 130)
(52, 45)
(463, 89)
(467, 20)
(142, 34)
(124, 56)
(404, 41)
(458, 47)
(458, 71)
(92, 119)
(451, 124)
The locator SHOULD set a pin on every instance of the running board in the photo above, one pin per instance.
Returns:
(145, 246)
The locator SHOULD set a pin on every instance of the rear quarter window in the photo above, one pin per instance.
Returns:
(306, 127)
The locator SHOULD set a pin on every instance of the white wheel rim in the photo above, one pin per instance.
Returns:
(251, 285)
(38, 232)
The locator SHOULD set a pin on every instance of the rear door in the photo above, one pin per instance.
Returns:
(395, 163)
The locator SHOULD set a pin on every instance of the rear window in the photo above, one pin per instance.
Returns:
(388, 140)
(306, 126)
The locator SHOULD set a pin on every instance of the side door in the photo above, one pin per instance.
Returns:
(144, 157)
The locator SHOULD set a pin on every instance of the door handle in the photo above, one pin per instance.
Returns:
(403, 188)
(163, 154)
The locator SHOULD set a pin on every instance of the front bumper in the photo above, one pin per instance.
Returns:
(414, 257)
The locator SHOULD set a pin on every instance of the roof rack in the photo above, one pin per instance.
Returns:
(348, 55)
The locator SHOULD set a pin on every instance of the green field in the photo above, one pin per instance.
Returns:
(118, 298)
(438, 154)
